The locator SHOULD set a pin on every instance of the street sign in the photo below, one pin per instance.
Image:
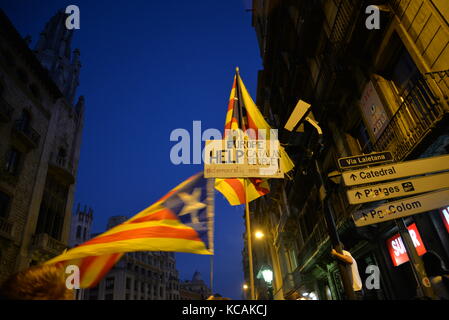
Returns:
(396, 189)
(401, 208)
(396, 170)
(365, 160)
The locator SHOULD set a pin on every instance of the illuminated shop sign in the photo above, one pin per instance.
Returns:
(445, 216)
(397, 249)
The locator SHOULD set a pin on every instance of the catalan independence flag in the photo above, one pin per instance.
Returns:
(243, 114)
(181, 221)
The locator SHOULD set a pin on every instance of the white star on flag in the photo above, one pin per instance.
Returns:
(192, 204)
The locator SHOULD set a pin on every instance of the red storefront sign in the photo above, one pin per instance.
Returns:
(397, 249)
(445, 216)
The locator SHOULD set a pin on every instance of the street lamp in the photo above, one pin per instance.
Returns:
(259, 234)
(245, 288)
(267, 275)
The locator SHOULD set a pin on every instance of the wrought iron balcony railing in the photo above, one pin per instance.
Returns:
(6, 228)
(423, 107)
(344, 20)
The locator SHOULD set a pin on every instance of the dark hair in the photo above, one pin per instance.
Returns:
(44, 282)
(433, 264)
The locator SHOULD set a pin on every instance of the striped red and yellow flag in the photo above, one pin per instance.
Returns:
(243, 114)
(181, 221)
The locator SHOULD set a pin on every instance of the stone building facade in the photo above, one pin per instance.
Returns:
(40, 131)
(321, 51)
(138, 276)
(195, 289)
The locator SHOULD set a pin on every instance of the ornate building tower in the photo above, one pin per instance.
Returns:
(81, 226)
(54, 52)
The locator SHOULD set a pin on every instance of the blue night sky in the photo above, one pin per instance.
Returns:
(149, 67)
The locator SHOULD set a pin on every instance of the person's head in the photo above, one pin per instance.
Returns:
(433, 264)
(44, 282)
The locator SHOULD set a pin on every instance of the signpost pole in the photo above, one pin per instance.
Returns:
(334, 237)
(248, 234)
(424, 285)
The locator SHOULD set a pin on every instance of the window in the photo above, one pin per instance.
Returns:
(5, 202)
(109, 284)
(78, 232)
(360, 133)
(128, 283)
(400, 69)
(62, 155)
(292, 259)
(52, 211)
(13, 161)
(24, 121)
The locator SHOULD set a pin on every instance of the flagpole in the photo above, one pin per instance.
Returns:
(212, 274)
(248, 233)
(210, 214)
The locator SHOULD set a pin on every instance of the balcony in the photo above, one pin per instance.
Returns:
(5, 111)
(47, 244)
(26, 134)
(6, 228)
(421, 110)
(62, 168)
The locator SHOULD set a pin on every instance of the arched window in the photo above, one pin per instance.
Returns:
(25, 120)
(62, 155)
(78, 232)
